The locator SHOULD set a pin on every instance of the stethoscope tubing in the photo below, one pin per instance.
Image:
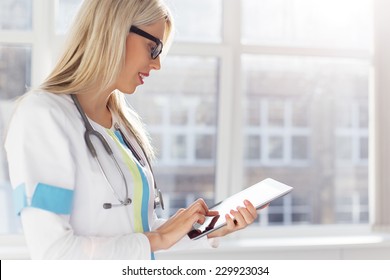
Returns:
(90, 131)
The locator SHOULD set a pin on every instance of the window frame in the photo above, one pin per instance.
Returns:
(46, 43)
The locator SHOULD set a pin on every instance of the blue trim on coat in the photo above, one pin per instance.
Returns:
(19, 198)
(145, 200)
(120, 138)
(51, 198)
(54, 199)
(145, 193)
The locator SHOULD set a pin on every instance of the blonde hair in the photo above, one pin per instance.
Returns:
(95, 52)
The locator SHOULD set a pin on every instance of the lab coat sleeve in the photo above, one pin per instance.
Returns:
(42, 172)
(50, 236)
(186, 243)
(41, 163)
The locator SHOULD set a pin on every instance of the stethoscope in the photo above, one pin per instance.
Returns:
(90, 131)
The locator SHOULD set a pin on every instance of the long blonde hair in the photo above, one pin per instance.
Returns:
(95, 52)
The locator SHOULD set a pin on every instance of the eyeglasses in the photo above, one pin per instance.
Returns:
(155, 52)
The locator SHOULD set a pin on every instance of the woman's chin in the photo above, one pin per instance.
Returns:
(128, 90)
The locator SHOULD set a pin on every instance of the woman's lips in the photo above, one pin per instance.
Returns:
(142, 76)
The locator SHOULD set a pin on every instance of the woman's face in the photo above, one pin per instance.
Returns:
(139, 62)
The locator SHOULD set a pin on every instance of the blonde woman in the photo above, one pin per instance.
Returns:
(78, 156)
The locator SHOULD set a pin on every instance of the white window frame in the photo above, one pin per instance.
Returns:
(355, 132)
(286, 131)
(229, 130)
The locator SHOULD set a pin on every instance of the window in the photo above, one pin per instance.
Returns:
(250, 89)
(179, 106)
(306, 104)
(197, 21)
(64, 13)
(305, 108)
(16, 15)
(307, 23)
(15, 77)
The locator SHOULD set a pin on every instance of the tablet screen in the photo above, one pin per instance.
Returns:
(259, 194)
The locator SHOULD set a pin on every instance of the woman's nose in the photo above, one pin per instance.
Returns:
(156, 63)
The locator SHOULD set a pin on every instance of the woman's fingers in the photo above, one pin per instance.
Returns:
(251, 208)
(230, 223)
(196, 212)
(212, 213)
(241, 217)
(238, 219)
(249, 213)
(181, 223)
(199, 206)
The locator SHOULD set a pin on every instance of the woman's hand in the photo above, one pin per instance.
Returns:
(242, 217)
(178, 225)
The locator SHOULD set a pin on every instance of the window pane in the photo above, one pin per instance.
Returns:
(276, 113)
(307, 23)
(205, 147)
(179, 116)
(363, 148)
(352, 206)
(199, 20)
(15, 70)
(300, 147)
(15, 76)
(179, 106)
(344, 148)
(65, 11)
(16, 14)
(275, 148)
(299, 114)
(253, 114)
(352, 132)
(363, 115)
(252, 147)
(179, 147)
(315, 122)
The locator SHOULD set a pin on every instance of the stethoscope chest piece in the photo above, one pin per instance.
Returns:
(158, 200)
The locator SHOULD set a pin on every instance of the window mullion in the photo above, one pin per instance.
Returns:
(16, 37)
(41, 44)
(306, 52)
(379, 128)
(234, 123)
(226, 116)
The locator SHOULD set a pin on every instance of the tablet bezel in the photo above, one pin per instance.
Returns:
(277, 188)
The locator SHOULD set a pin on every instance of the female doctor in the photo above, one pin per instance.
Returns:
(78, 156)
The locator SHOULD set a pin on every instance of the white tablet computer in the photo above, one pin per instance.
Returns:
(259, 194)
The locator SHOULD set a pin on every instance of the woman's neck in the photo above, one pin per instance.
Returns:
(95, 107)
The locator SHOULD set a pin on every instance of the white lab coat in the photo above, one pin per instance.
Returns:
(60, 190)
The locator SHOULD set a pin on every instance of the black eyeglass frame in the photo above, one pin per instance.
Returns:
(159, 45)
